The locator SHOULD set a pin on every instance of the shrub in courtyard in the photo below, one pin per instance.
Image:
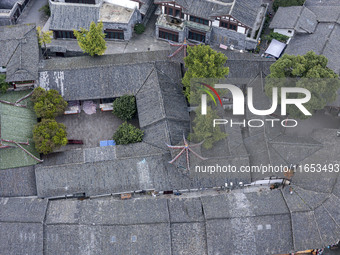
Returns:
(48, 104)
(3, 84)
(139, 28)
(49, 135)
(46, 10)
(125, 107)
(277, 36)
(128, 133)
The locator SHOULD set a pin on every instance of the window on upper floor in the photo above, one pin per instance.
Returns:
(114, 34)
(168, 35)
(64, 35)
(196, 36)
(81, 1)
(173, 11)
(228, 25)
(199, 20)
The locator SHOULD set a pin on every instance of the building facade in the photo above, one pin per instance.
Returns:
(235, 23)
(118, 17)
(10, 11)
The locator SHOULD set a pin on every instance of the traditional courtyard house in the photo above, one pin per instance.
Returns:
(251, 220)
(19, 58)
(235, 23)
(118, 17)
(312, 27)
(19, 55)
(10, 11)
(294, 20)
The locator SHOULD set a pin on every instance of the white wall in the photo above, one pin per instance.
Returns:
(216, 23)
(124, 3)
(285, 32)
(241, 30)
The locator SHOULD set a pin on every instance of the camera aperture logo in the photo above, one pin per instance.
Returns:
(238, 105)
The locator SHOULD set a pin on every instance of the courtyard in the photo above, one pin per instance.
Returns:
(91, 129)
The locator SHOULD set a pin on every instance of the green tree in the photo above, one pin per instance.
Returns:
(309, 71)
(3, 84)
(48, 104)
(286, 3)
(46, 10)
(202, 62)
(139, 28)
(125, 107)
(203, 128)
(91, 41)
(49, 135)
(128, 133)
(44, 38)
(277, 36)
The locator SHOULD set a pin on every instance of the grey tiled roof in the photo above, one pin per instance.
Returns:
(307, 21)
(252, 222)
(286, 17)
(322, 3)
(145, 7)
(326, 13)
(7, 4)
(19, 53)
(318, 30)
(21, 224)
(302, 43)
(73, 16)
(17, 182)
(299, 18)
(245, 11)
(303, 224)
(100, 77)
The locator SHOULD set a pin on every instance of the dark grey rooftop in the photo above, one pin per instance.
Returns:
(19, 52)
(322, 3)
(17, 182)
(252, 222)
(245, 11)
(326, 13)
(7, 4)
(299, 18)
(317, 30)
(21, 225)
(82, 78)
(73, 16)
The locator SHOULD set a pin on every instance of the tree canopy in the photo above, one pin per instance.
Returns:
(128, 133)
(91, 41)
(202, 62)
(276, 36)
(203, 128)
(48, 104)
(3, 84)
(44, 37)
(125, 107)
(309, 71)
(49, 135)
